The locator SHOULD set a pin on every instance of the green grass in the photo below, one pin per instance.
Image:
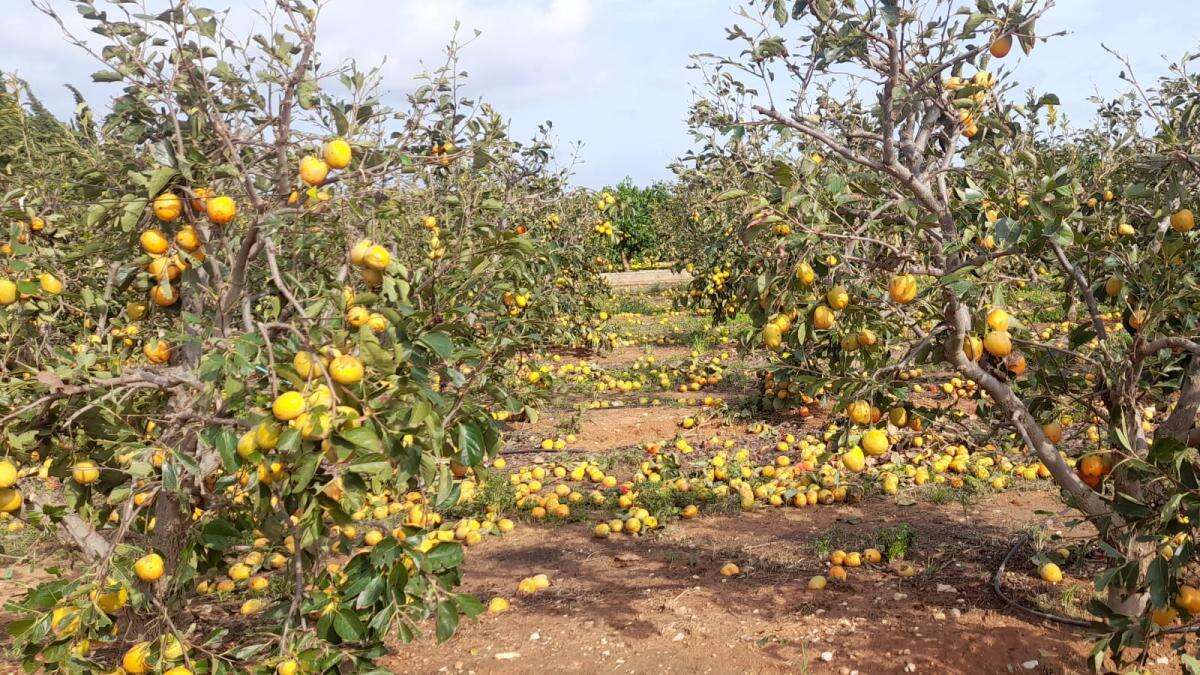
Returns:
(632, 304)
(939, 494)
(896, 541)
(493, 490)
(1042, 304)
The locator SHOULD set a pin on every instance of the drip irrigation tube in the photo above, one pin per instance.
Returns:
(999, 576)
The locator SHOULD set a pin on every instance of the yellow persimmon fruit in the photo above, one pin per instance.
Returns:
(337, 153)
(288, 405)
(149, 567)
(1001, 46)
(346, 370)
(137, 660)
(1182, 220)
(997, 319)
(221, 209)
(154, 242)
(875, 442)
(823, 318)
(164, 295)
(902, 288)
(50, 283)
(998, 343)
(167, 207)
(85, 472)
(187, 238)
(1049, 572)
(837, 298)
(8, 474)
(313, 170)
(377, 258)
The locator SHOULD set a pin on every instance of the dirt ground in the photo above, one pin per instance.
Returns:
(657, 603)
(643, 278)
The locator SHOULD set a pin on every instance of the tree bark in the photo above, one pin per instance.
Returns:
(1182, 419)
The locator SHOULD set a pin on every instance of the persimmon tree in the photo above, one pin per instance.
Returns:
(894, 193)
(250, 311)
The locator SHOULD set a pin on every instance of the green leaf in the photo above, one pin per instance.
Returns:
(439, 343)
(159, 179)
(469, 439)
(447, 620)
(385, 553)
(288, 441)
(132, 213)
(348, 626)
(225, 443)
(1063, 236)
(973, 22)
(370, 468)
(891, 12)
(305, 471)
(374, 589)
(95, 214)
(1158, 578)
(444, 556)
(363, 437)
(19, 627)
(470, 605)
(781, 12)
(219, 535)
(1164, 451)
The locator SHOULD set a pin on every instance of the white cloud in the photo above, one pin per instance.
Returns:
(534, 49)
(610, 73)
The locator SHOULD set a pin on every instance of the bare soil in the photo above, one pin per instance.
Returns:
(644, 278)
(658, 603)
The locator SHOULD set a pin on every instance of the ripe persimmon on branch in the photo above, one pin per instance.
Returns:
(247, 310)
(891, 190)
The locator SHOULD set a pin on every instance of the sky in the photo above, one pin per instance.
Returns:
(610, 74)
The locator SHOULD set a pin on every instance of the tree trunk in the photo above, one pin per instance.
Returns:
(1182, 419)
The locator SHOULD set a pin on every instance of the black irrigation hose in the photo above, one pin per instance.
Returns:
(999, 575)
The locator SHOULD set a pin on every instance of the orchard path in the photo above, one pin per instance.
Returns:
(646, 278)
(657, 603)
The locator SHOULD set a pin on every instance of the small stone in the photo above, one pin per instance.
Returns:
(956, 613)
(678, 637)
(826, 656)
(939, 615)
(899, 596)
(535, 637)
(946, 588)
(910, 667)
(507, 656)
(1030, 664)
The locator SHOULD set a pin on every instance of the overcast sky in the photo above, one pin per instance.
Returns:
(611, 73)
